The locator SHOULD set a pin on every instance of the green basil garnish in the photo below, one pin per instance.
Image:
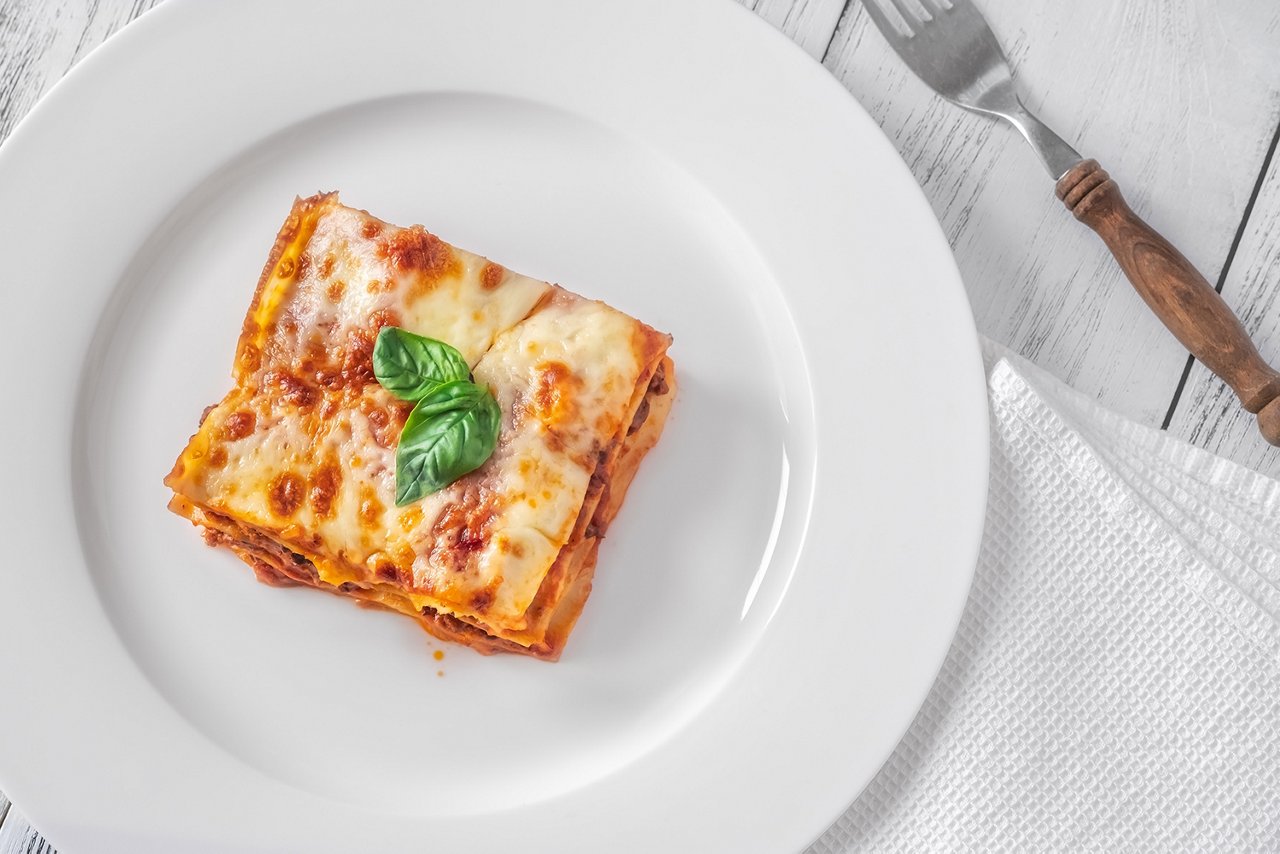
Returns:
(454, 425)
(411, 366)
(451, 432)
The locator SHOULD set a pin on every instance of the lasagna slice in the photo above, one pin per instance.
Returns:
(294, 470)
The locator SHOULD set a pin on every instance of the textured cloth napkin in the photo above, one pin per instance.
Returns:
(1115, 681)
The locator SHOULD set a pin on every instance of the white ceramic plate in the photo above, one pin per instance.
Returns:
(786, 575)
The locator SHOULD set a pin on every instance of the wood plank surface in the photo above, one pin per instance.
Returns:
(1176, 98)
(17, 836)
(41, 39)
(1179, 99)
(809, 23)
(1207, 413)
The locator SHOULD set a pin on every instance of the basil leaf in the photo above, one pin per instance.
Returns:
(451, 432)
(411, 366)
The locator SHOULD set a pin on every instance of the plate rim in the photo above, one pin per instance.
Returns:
(97, 65)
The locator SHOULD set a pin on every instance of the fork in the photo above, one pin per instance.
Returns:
(948, 45)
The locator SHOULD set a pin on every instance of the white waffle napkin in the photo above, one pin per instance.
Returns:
(1115, 682)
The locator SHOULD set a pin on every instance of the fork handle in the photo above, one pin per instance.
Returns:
(1182, 299)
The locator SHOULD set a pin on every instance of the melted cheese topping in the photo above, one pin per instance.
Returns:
(303, 448)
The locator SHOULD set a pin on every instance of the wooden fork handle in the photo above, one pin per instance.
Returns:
(1182, 299)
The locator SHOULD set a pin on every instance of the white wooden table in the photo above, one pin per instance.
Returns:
(1179, 99)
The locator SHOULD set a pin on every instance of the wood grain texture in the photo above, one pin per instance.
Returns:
(17, 836)
(809, 23)
(1179, 97)
(1175, 291)
(1205, 415)
(40, 40)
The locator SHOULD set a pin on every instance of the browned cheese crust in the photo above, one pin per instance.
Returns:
(293, 470)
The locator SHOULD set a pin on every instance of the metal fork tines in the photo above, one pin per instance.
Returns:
(949, 46)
